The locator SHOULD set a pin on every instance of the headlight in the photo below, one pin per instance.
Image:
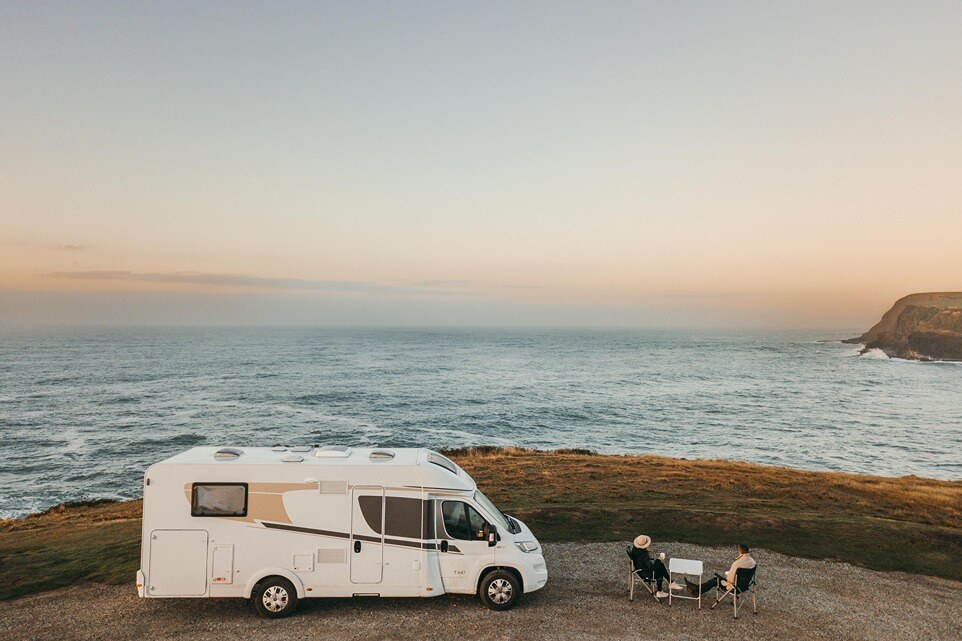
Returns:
(526, 546)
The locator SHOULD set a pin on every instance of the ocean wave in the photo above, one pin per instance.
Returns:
(56, 380)
(876, 354)
(319, 398)
(181, 440)
(121, 400)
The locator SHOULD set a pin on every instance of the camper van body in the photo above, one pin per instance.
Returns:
(331, 522)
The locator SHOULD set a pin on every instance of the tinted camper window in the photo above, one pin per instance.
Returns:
(462, 521)
(219, 499)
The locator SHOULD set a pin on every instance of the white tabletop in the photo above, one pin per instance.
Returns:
(686, 566)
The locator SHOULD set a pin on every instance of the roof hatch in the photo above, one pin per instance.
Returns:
(333, 451)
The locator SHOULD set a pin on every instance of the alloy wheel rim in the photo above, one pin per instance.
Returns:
(500, 590)
(275, 598)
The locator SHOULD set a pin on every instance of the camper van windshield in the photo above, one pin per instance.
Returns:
(494, 512)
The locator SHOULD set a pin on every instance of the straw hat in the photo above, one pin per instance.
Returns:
(642, 541)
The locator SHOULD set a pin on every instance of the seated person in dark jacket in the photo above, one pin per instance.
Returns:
(653, 569)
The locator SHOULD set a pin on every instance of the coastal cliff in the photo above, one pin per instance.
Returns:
(919, 327)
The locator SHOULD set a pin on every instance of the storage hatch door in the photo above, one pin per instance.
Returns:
(178, 563)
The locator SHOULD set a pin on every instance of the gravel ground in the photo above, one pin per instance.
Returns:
(585, 598)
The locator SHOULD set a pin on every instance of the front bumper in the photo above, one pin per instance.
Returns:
(535, 573)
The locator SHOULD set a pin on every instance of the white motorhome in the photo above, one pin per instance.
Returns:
(276, 525)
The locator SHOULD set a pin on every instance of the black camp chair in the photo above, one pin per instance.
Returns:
(744, 584)
(640, 575)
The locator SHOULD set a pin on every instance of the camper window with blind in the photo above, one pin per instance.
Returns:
(219, 499)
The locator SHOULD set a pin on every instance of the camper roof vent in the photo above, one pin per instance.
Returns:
(227, 453)
(381, 455)
(279, 448)
(301, 448)
(333, 451)
(292, 458)
(442, 461)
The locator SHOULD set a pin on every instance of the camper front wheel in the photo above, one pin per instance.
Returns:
(274, 598)
(500, 590)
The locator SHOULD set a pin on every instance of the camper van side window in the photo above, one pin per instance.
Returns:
(219, 499)
(462, 521)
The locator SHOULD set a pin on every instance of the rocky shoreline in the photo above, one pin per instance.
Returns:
(922, 327)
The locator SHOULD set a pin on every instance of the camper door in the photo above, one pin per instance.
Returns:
(463, 546)
(367, 534)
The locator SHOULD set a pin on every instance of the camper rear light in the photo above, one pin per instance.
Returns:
(526, 546)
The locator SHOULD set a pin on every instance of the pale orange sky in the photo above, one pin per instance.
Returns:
(740, 165)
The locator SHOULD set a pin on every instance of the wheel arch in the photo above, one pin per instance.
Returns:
(492, 568)
(269, 572)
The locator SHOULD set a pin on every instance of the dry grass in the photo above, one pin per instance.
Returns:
(576, 473)
(78, 514)
(909, 523)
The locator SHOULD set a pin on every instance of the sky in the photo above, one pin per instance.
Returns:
(702, 164)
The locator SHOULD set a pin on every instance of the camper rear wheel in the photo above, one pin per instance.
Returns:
(500, 590)
(274, 598)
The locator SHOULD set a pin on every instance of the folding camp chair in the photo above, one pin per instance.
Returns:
(640, 575)
(744, 584)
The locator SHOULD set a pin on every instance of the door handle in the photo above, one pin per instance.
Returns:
(444, 545)
(357, 546)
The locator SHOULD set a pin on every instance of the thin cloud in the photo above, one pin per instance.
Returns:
(60, 247)
(226, 280)
(444, 284)
(68, 248)
(696, 295)
(420, 289)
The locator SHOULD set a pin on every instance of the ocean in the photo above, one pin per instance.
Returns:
(83, 412)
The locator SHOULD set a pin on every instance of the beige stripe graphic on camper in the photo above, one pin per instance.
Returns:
(265, 501)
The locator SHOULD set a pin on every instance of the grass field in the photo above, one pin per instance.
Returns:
(908, 523)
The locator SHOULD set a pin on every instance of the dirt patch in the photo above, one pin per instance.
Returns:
(585, 598)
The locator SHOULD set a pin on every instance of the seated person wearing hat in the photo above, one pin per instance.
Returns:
(652, 569)
(744, 560)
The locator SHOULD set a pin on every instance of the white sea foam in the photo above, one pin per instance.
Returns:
(876, 353)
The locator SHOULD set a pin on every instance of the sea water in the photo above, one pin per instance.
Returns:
(83, 412)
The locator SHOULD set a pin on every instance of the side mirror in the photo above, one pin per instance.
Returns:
(492, 533)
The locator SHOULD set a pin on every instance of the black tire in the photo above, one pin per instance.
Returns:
(500, 590)
(274, 598)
